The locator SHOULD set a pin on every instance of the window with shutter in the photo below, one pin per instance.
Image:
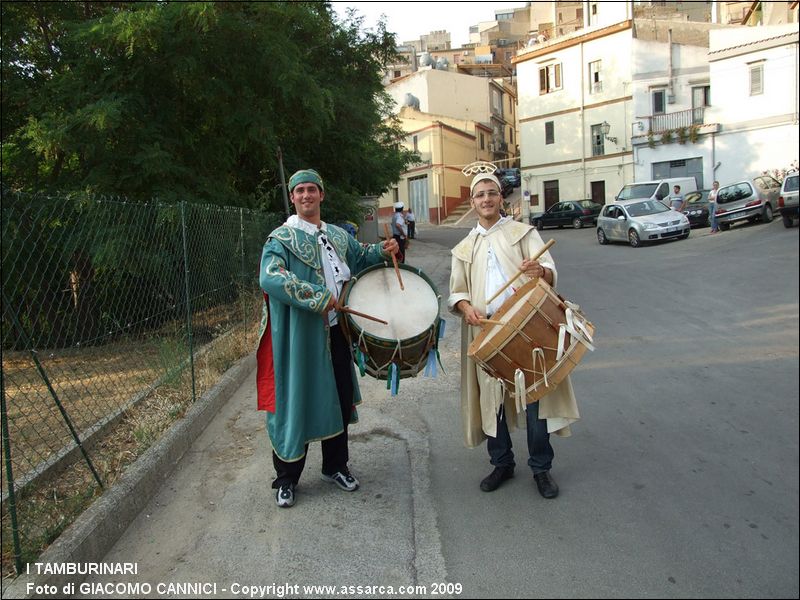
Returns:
(756, 80)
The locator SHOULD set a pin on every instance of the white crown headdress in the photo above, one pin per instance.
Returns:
(479, 166)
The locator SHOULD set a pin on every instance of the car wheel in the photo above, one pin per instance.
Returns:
(724, 226)
(633, 238)
(788, 221)
(601, 237)
(767, 215)
(577, 223)
(538, 225)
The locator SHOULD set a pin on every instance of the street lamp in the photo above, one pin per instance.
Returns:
(604, 129)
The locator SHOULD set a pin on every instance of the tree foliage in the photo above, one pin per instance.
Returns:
(190, 101)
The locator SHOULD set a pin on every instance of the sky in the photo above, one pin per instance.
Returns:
(409, 20)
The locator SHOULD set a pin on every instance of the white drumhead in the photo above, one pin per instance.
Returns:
(409, 312)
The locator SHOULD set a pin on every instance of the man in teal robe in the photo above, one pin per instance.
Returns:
(306, 379)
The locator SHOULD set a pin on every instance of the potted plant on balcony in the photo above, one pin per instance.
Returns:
(666, 136)
(693, 133)
(651, 142)
(682, 135)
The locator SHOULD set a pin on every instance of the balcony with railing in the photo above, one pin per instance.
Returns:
(675, 120)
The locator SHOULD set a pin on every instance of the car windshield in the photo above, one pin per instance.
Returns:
(649, 207)
(637, 190)
(586, 204)
(790, 185)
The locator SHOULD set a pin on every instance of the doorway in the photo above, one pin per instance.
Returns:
(599, 192)
(550, 193)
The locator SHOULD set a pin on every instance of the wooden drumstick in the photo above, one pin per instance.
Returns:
(394, 256)
(544, 249)
(490, 322)
(346, 309)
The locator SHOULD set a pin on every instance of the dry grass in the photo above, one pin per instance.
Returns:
(103, 378)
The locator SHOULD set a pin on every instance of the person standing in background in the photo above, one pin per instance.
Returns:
(712, 207)
(399, 230)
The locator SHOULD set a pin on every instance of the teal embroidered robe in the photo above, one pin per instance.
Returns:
(295, 380)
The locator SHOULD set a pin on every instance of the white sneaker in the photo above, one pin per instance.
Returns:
(284, 496)
(343, 479)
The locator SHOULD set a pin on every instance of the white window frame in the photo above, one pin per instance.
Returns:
(663, 92)
(550, 78)
(598, 141)
(595, 78)
(758, 89)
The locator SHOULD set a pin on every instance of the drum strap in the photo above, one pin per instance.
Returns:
(575, 327)
(520, 390)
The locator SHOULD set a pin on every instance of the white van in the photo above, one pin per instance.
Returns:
(656, 190)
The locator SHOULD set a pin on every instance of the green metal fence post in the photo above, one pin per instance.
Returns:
(12, 499)
(244, 280)
(186, 272)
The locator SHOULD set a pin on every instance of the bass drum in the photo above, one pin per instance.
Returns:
(412, 315)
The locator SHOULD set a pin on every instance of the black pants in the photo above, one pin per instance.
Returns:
(334, 450)
(401, 256)
(411, 227)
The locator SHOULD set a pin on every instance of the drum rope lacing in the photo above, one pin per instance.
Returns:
(575, 325)
(392, 366)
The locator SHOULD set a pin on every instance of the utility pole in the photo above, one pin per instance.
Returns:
(283, 183)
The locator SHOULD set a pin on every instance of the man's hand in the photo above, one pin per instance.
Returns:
(470, 314)
(391, 246)
(533, 269)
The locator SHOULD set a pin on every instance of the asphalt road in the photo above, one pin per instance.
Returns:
(681, 479)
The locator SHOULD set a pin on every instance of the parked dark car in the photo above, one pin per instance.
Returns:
(696, 209)
(505, 187)
(512, 175)
(787, 202)
(576, 213)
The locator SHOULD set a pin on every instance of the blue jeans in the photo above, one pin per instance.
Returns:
(540, 452)
(712, 215)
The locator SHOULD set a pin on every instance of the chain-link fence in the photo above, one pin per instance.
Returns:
(116, 316)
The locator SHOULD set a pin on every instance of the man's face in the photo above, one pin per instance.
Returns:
(486, 199)
(676, 189)
(307, 198)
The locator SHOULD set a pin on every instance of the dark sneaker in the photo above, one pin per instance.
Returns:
(494, 479)
(343, 479)
(284, 495)
(547, 487)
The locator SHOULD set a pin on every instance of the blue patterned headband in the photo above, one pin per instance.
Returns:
(305, 176)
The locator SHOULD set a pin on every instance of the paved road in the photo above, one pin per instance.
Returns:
(681, 480)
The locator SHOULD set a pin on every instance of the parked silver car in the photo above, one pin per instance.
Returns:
(750, 199)
(639, 221)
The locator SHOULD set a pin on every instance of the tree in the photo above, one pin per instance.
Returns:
(190, 101)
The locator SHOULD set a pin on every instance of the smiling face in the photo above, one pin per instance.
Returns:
(487, 200)
(307, 198)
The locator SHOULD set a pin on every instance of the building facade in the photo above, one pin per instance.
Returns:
(754, 82)
(447, 110)
(435, 185)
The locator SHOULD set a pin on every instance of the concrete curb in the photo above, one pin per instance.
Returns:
(94, 533)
